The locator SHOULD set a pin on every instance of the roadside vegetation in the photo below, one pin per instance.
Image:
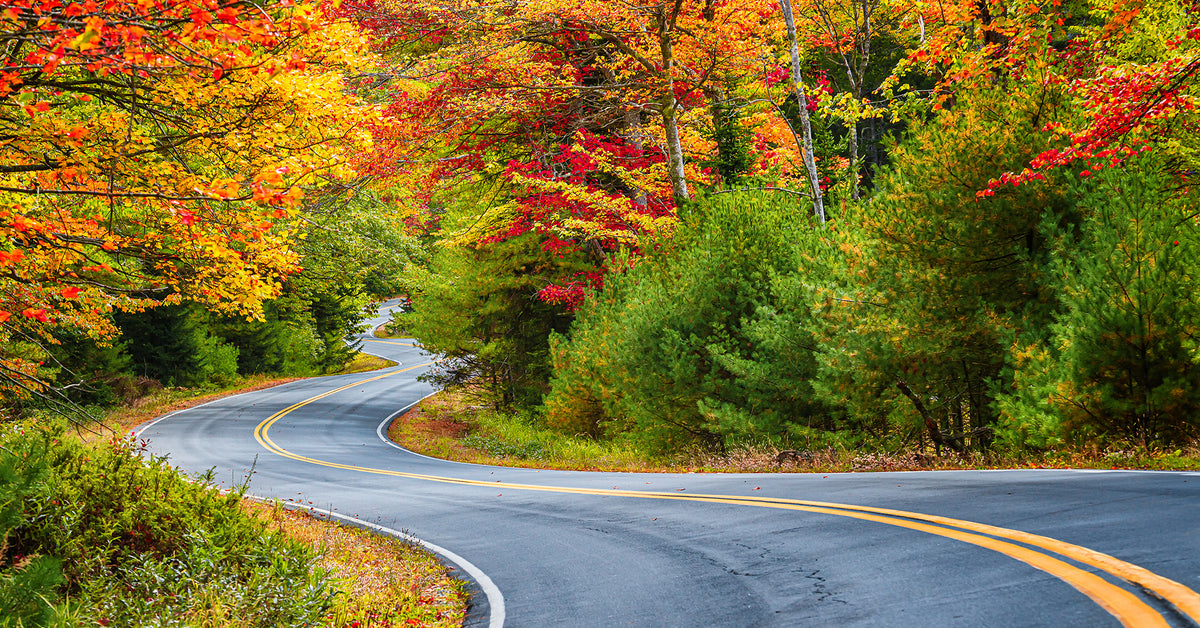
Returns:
(1007, 274)
(98, 534)
(453, 426)
(699, 234)
(94, 533)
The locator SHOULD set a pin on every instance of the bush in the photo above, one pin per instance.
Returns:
(29, 583)
(141, 545)
(682, 350)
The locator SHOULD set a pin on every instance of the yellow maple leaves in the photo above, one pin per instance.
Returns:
(154, 154)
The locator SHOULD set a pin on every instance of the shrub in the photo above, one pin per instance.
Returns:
(141, 545)
(682, 349)
(1120, 362)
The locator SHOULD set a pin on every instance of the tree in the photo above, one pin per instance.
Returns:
(810, 162)
(1120, 361)
(479, 308)
(944, 278)
(683, 349)
(582, 121)
(152, 153)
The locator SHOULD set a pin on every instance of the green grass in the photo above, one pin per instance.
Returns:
(448, 426)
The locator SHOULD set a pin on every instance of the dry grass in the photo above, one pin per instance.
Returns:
(383, 332)
(385, 581)
(766, 458)
(448, 426)
(436, 426)
(363, 362)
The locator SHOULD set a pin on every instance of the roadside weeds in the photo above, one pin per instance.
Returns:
(384, 581)
(448, 426)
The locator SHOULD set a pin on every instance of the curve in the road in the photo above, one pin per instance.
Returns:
(1119, 602)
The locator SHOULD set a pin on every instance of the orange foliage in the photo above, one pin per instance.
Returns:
(152, 152)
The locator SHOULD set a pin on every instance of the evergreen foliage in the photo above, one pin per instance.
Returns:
(173, 344)
(478, 308)
(99, 370)
(733, 141)
(683, 348)
(945, 276)
(1120, 360)
(285, 341)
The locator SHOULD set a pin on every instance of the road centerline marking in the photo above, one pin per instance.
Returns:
(1122, 604)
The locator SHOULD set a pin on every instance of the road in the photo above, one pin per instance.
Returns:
(557, 548)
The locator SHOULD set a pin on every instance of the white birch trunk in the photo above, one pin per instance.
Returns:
(810, 160)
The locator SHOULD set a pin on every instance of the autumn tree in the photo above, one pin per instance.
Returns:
(588, 117)
(960, 275)
(943, 277)
(158, 153)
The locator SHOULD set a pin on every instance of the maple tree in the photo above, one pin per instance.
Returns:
(1128, 68)
(155, 152)
(587, 122)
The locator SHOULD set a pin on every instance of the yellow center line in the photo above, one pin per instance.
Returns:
(1122, 604)
(389, 342)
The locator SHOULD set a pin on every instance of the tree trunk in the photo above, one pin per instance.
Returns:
(670, 111)
(674, 149)
(854, 165)
(810, 161)
(931, 425)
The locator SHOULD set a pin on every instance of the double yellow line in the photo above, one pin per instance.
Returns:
(1124, 605)
(388, 342)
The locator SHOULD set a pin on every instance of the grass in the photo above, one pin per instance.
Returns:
(383, 331)
(364, 362)
(448, 426)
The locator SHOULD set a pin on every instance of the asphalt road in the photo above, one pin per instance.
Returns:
(556, 548)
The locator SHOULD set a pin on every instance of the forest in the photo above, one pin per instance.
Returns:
(959, 225)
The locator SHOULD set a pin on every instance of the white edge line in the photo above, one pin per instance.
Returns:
(138, 432)
(490, 590)
(494, 597)
(381, 432)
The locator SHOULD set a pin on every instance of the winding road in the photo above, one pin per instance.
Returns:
(558, 548)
